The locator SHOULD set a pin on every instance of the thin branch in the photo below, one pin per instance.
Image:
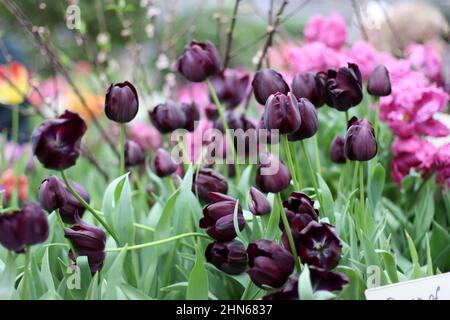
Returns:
(357, 11)
(398, 38)
(230, 35)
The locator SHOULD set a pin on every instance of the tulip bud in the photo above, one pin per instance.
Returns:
(73, 207)
(163, 164)
(88, 240)
(199, 61)
(192, 115)
(310, 86)
(270, 264)
(56, 142)
(271, 174)
(167, 117)
(360, 142)
(379, 84)
(218, 217)
(337, 154)
(230, 89)
(134, 155)
(282, 113)
(52, 194)
(206, 181)
(230, 257)
(10, 233)
(121, 102)
(267, 82)
(258, 203)
(309, 123)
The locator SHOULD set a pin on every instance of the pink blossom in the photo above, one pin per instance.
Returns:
(442, 165)
(194, 92)
(330, 31)
(314, 57)
(365, 56)
(424, 58)
(146, 136)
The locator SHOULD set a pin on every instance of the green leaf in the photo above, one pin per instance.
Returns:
(390, 264)
(272, 220)
(440, 246)
(162, 229)
(327, 199)
(93, 291)
(424, 213)
(376, 185)
(46, 272)
(115, 275)
(132, 293)
(198, 279)
(414, 256)
(429, 259)
(7, 278)
(305, 290)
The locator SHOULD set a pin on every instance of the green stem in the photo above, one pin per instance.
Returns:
(230, 143)
(347, 118)
(15, 140)
(159, 242)
(290, 162)
(311, 172)
(377, 117)
(361, 185)
(122, 148)
(288, 230)
(61, 225)
(89, 208)
(316, 155)
(25, 273)
(143, 227)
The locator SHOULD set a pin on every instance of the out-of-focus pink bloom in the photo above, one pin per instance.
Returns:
(330, 31)
(413, 153)
(314, 57)
(442, 165)
(194, 140)
(146, 136)
(194, 92)
(365, 56)
(425, 59)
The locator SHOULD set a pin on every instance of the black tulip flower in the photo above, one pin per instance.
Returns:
(258, 203)
(56, 142)
(319, 245)
(267, 82)
(233, 119)
(230, 257)
(52, 194)
(10, 233)
(163, 163)
(270, 264)
(199, 61)
(310, 86)
(73, 207)
(207, 180)
(134, 155)
(191, 114)
(322, 279)
(309, 123)
(344, 87)
(271, 174)
(299, 203)
(266, 136)
(88, 240)
(121, 102)
(230, 88)
(168, 116)
(379, 84)
(360, 142)
(211, 112)
(281, 113)
(287, 292)
(337, 154)
(218, 217)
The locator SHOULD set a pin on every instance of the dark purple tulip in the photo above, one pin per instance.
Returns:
(211, 112)
(266, 136)
(168, 116)
(287, 292)
(360, 142)
(258, 203)
(267, 82)
(379, 84)
(230, 88)
(192, 115)
(322, 279)
(121, 102)
(230, 257)
(218, 217)
(10, 233)
(271, 174)
(233, 119)
(56, 142)
(88, 240)
(73, 207)
(270, 264)
(300, 203)
(52, 194)
(309, 123)
(199, 61)
(281, 112)
(344, 87)
(318, 245)
(337, 154)
(207, 180)
(134, 155)
(310, 86)
(163, 163)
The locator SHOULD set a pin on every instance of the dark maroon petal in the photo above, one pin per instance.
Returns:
(379, 83)
(167, 117)
(10, 235)
(258, 203)
(309, 123)
(52, 194)
(282, 113)
(192, 115)
(322, 279)
(360, 142)
(73, 207)
(271, 174)
(134, 155)
(310, 86)
(267, 82)
(33, 224)
(230, 89)
(163, 163)
(121, 102)
(229, 257)
(337, 154)
(206, 181)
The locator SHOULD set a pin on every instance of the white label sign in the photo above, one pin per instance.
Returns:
(429, 288)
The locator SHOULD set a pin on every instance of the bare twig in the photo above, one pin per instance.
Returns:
(357, 11)
(398, 38)
(230, 35)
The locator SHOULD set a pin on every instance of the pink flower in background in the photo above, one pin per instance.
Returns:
(194, 92)
(442, 165)
(412, 153)
(365, 56)
(331, 31)
(314, 57)
(425, 59)
(146, 136)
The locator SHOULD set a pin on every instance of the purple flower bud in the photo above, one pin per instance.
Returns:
(206, 181)
(300, 203)
(56, 142)
(218, 217)
(230, 257)
(199, 61)
(52, 194)
(360, 142)
(73, 207)
(267, 82)
(10, 234)
(192, 115)
(271, 174)
(121, 102)
(379, 84)
(270, 264)
(134, 155)
(337, 154)
(309, 123)
(310, 86)
(282, 113)
(230, 88)
(322, 279)
(163, 164)
(168, 116)
(258, 203)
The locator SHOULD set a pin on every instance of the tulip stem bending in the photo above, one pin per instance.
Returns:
(88, 207)
(61, 225)
(122, 149)
(292, 168)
